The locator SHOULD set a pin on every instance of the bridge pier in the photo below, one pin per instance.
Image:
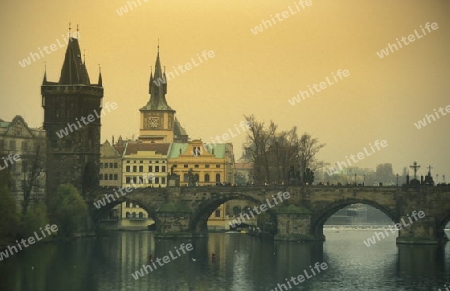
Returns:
(173, 222)
(294, 224)
(422, 231)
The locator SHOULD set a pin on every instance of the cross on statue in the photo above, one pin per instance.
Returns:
(429, 169)
(415, 167)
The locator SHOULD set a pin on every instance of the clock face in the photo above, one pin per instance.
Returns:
(153, 121)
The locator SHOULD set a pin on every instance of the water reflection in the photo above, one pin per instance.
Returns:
(241, 262)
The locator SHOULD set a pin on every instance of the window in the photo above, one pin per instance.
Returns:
(116, 165)
(133, 215)
(217, 178)
(217, 166)
(157, 162)
(196, 166)
(100, 177)
(116, 177)
(141, 169)
(141, 162)
(101, 165)
(206, 177)
(134, 168)
(24, 145)
(106, 165)
(127, 180)
(128, 215)
(111, 176)
(163, 169)
(111, 165)
(127, 169)
(196, 151)
(156, 180)
(141, 215)
(150, 168)
(106, 176)
(156, 169)
(207, 166)
(217, 214)
(12, 144)
(163, 180)
(185, 166)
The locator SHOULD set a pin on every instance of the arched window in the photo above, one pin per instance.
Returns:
(197, 178)
(128, 215)
(133, 215)
(141, 215)
(206, 177)
(217, 178)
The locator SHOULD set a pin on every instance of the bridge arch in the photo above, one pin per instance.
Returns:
(443, 220)
(96, 213)
(322, 216)
(198, 221)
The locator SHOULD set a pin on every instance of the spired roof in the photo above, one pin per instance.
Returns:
(74, 70)
(157, 89)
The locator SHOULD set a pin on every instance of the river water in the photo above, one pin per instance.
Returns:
(241, 262)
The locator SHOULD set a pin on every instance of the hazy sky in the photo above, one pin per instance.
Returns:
(381, 99)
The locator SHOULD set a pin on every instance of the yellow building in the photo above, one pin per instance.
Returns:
(199, 164)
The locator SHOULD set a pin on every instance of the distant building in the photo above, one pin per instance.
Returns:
(201, 165)
(73, 146)
(16, 138)
(110, 166)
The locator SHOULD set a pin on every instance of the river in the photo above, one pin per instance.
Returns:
(241, 262)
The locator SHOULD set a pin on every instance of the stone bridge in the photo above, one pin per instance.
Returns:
(184, 211)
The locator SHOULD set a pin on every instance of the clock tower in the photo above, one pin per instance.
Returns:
(157, 121)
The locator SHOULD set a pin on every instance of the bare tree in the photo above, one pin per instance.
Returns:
(274, 154)
(308, 147)
(33, 168)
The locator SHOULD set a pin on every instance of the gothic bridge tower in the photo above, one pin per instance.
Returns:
(72, 110)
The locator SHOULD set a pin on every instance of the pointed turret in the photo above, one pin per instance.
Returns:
(44, 81)
(151, 81)
(100, 80)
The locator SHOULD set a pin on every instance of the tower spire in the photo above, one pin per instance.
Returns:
(70, 28)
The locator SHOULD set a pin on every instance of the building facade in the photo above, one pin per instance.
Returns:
(22, 152)
(198, 164)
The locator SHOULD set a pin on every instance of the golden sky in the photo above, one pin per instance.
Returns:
(381, 99)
